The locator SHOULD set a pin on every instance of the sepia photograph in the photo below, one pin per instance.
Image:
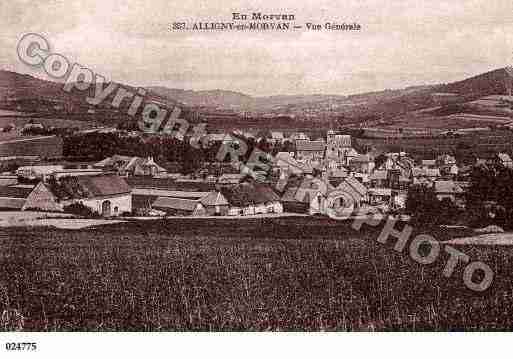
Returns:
(255, 166)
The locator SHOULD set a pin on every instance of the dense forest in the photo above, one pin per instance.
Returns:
(97, 146)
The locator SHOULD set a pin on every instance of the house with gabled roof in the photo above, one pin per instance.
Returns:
(310, 196)
(355, 189)
(449, 190)
(224, 138)
(131, 166)
(251, 198)
(380, 196)
(179, 207)
(503, 159)
(298, 136)
(13, 197)
(335, 176)
(445, 160)
(215, 204)
(428, 163)
(41, 198)
(286, 162)
(276, 137)
(398, 161)
(144, 197)
(313, 196)
(107, 194)
(28, 197)
(310, 151)
(231, 178)
(425, 175)
(362, 163)
(37, 171)
(449, 171)
(379, 179)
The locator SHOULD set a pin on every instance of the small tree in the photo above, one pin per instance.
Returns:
(80, 210)
(423, 205)
(448, 212)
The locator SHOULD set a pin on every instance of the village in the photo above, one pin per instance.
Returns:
(298, 182)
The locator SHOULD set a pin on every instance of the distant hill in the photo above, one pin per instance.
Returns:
(490, 83)
(236, 100)
(213, 98)
(397, 101)
(25, 93)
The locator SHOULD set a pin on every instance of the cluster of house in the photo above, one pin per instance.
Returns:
(369, 179)
(138, 186)
(110, 188)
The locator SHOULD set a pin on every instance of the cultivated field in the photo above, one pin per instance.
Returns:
(13, 113)
(47, 122)
(481, 144)
(452, 122)
(279, 274)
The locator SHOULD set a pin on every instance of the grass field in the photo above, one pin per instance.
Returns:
(481, 144)
(453, 122)
(263, 274)
(13, 113)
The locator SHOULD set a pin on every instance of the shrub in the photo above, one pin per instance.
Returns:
(81, 210)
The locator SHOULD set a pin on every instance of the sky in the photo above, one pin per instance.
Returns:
(402, 43)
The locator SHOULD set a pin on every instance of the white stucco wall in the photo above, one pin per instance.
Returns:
(123, 202)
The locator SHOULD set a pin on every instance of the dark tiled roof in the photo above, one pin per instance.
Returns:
(15, 192)
(361, 159)
(214, 199)
(339, 173)
(358, 187)
(249, 193)
(231, 177)
(351, 188)
(290, 195)
(114, 160)
(306, 145)
(379, 175)
(175, 203)
(75, 187)
(307, 189)
(12, 203)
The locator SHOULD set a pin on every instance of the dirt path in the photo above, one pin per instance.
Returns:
(58, 220)
(490, 239)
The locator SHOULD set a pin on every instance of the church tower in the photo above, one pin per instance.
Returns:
(337, 144)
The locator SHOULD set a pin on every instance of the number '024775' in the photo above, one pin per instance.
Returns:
(11, 346)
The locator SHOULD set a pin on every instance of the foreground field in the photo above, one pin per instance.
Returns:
(259, 274)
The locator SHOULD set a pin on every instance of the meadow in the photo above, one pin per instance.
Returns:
(284, 274)
(47, 122)
(479, 144)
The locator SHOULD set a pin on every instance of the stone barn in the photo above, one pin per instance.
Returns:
(108, 195)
